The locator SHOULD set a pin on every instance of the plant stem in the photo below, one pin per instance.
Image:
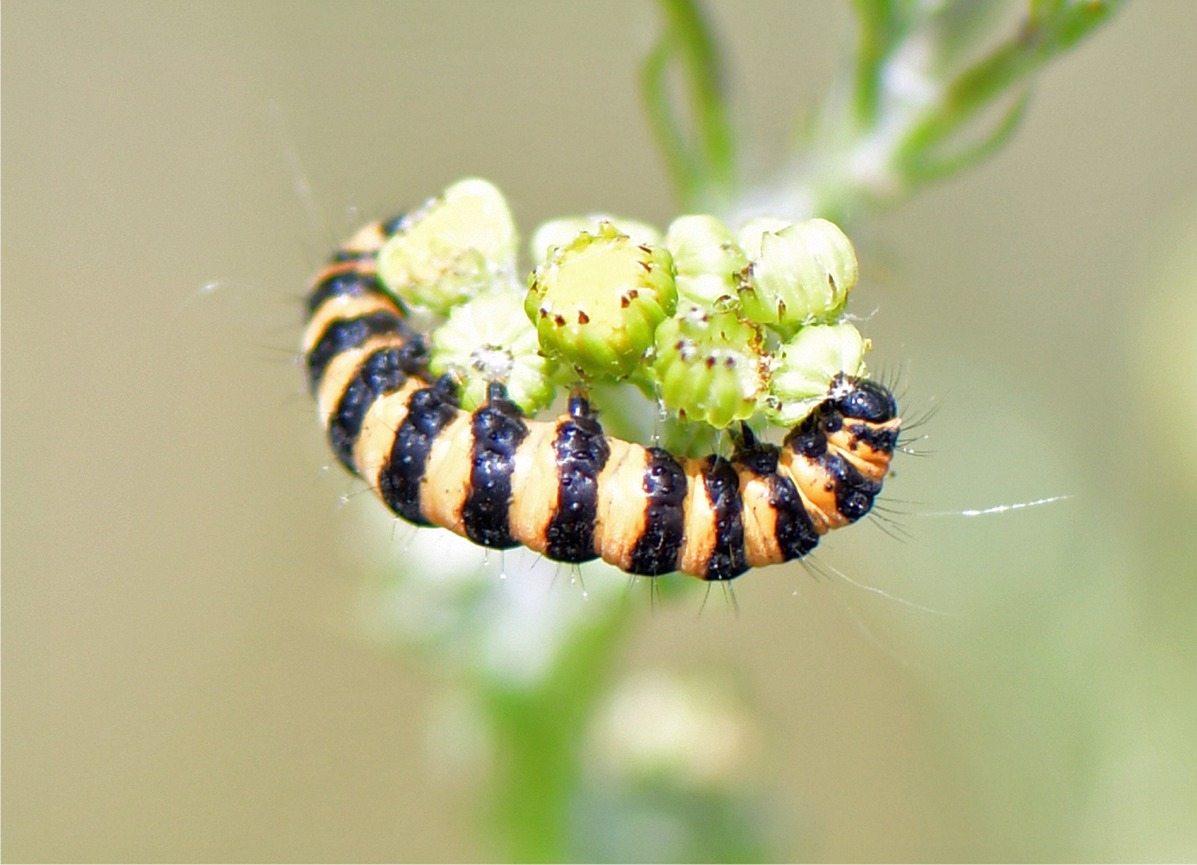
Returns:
(538, 742)
(702, 161)
(880, 27)
(913, 111)
(1051, 28)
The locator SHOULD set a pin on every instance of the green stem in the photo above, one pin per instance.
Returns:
(882, 146)
(879, 31)
(703, 161)
(654, 82)
(1050, 29)
(538, 742)
(931, 168)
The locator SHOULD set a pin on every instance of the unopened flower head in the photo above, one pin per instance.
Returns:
(490, 339)
(596, 302)
(556, 233)
(452, 248)
(805, 367)
(800, 274)
(709, 366)
(708, 261)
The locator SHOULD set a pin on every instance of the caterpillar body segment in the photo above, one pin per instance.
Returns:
(563, 487)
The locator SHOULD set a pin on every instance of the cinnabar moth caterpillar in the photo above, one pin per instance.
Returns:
(564, 488)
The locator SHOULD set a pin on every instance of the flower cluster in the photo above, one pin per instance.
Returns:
(720, 326)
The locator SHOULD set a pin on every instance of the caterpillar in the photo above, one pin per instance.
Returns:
(564, 488)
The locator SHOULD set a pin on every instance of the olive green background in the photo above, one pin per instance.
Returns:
(182, 675)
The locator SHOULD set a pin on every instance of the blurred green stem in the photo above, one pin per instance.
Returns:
(539, 735)
(880, 25)
(1051, 28)
(906, 112)
(911, 117)
(702, 162)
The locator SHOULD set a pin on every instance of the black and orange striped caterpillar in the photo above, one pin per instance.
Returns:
(564, 488)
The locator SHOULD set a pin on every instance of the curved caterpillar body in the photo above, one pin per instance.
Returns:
(564, 488)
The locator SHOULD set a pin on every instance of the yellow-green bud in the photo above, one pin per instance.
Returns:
(800, 274)
(804, 367)
(753, 231)
(557, 233)
(490, 339)
(597, 301)
(452, 248)
(707, 259)
(709, 366)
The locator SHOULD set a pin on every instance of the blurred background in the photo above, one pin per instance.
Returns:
(188, 672)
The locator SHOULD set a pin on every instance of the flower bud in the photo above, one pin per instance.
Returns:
(488, 339)
(597, 301)
(805, 366)
(754, 230)
(452, 248)
(801, 274)
(707, 260)
(709, 366)
(557, 233)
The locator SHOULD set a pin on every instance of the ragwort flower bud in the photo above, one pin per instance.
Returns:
(709, 366)
(804, 368)
(557, 233)
(707, 259)
(452, 248)
(800, 274)
(488, 339)
(597, 301)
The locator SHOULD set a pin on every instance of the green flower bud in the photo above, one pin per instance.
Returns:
(490, 339)
(753, 231)
(597, 301)
(801, 275)
(452, 248)
(708, 261)
(804, 367)
(709, 366)
(557, 233)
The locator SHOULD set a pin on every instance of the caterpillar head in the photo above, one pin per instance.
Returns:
(862, 399)
(860, 420)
